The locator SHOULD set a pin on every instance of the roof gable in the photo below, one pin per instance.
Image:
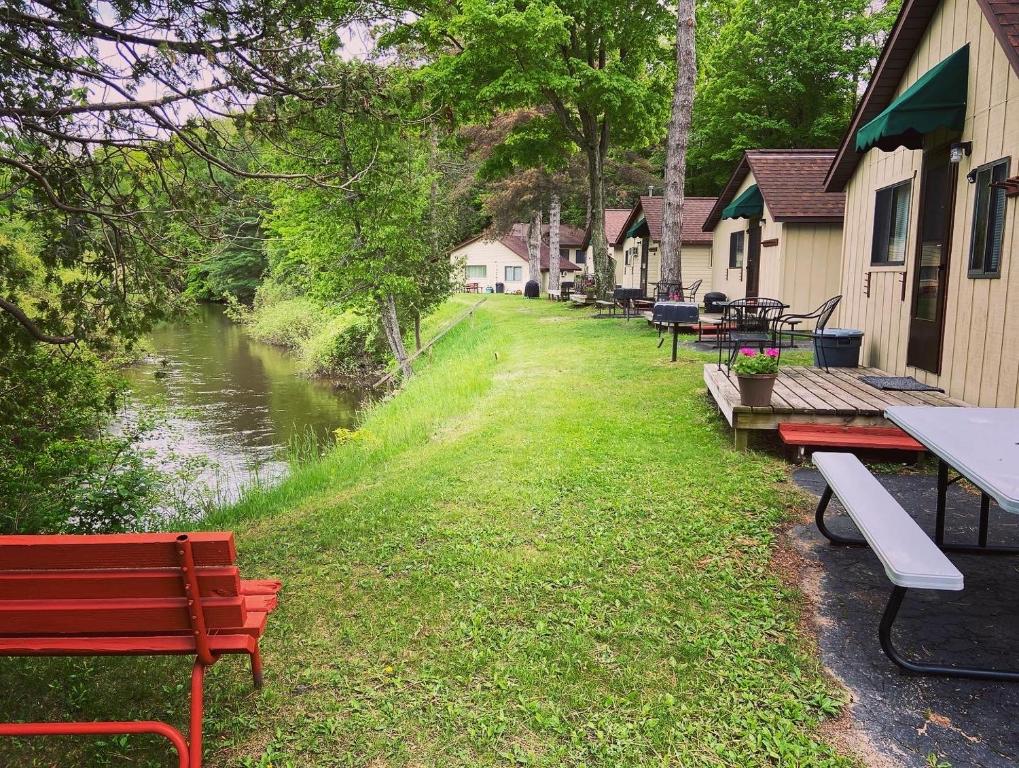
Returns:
(907, 33)
(695, 210)
(791, 182)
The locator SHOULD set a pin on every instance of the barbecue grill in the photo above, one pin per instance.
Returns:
(674, 314)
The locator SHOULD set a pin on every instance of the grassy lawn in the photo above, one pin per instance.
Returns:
(542, 552)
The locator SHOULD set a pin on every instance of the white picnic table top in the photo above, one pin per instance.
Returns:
(981, 444)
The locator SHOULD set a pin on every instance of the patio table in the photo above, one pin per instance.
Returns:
(980, 445)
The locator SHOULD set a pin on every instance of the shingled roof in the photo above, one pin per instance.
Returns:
(695, 210)
(792, 183)
(914, 19)
(516, 241)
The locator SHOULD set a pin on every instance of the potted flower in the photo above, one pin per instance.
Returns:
(756, 372)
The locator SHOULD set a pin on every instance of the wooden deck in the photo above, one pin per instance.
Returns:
(813, 396)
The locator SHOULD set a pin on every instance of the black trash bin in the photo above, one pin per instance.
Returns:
(837, 348)
(713, 301)
(500, 287)
(531, 289)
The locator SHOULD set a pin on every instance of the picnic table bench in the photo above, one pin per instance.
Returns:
(911, 559)
(131, 594)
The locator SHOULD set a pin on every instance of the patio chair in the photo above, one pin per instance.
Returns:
(665, 291)
(787, 325)
(690, 294)
(750, 322)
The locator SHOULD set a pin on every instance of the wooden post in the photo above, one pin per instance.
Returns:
(741, 439)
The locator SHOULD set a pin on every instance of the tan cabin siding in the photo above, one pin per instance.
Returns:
(730, 281)
(495, 257)
(980, 355)
(811, 264)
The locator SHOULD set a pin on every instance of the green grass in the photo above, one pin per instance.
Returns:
(543, 551)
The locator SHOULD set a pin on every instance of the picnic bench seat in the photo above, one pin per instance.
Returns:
(131, 594)
(803, 436)
(910, 557)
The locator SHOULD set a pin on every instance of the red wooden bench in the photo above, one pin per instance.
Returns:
(131, 594)
(836, 436)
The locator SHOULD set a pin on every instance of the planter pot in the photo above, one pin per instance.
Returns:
(756, 390)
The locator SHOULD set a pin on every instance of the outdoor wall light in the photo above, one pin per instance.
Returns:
(959, 149)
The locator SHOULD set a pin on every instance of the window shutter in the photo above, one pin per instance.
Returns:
(997, 221)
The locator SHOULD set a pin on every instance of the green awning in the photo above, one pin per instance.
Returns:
(936, 100)
(632, 231)
(749, 205)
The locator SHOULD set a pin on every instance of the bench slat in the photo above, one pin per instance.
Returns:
(121, 550)
(910, 557)
(244, 642)
(118, 582)
(110, 616)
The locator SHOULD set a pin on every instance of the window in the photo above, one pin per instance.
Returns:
(514, 274)
(988, 221)
(477, 270)
(891, 224)
(630, 256)
(581, 257)
(736, 250)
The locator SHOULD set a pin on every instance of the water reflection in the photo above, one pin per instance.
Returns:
(233, 400)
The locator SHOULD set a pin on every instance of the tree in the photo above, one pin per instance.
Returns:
(554, 261)
(534, 247)
(678, 139)
(103, 106)
(598, 66)
(778, 74)
(375, 242)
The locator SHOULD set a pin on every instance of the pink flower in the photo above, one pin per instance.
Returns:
(747, 352)
(771, 352)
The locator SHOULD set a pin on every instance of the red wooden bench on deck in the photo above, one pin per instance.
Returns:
(131, 594)
(836, 436)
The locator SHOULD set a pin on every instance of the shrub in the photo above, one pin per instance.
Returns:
(61, 469)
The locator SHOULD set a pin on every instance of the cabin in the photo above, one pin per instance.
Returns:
(641, 234)
(485, 261)
(928, 167)
(776, 231)
(615, 218)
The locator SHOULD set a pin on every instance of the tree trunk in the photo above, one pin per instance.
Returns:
(554, 262)
(417, 331)
(604, 271)
(391, 326)
(677, 142)
(534, 248)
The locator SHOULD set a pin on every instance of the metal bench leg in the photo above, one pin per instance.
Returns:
(256, 668)
(834, 538)
(197, 711)
(924, 668)
(111, 728)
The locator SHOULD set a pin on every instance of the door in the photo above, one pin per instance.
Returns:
(643, 264)
(933, 250)
(753, 257)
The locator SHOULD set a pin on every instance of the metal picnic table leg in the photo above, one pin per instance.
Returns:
(980, 548)
(939, 525)
(675, 341)
(926, 668)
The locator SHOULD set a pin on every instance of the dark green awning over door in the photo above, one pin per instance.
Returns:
(749, 205)
(936, 100)
(632, 231)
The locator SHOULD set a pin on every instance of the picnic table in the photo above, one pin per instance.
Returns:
(979, 445)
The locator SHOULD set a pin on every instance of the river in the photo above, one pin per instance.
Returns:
(227, 407)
